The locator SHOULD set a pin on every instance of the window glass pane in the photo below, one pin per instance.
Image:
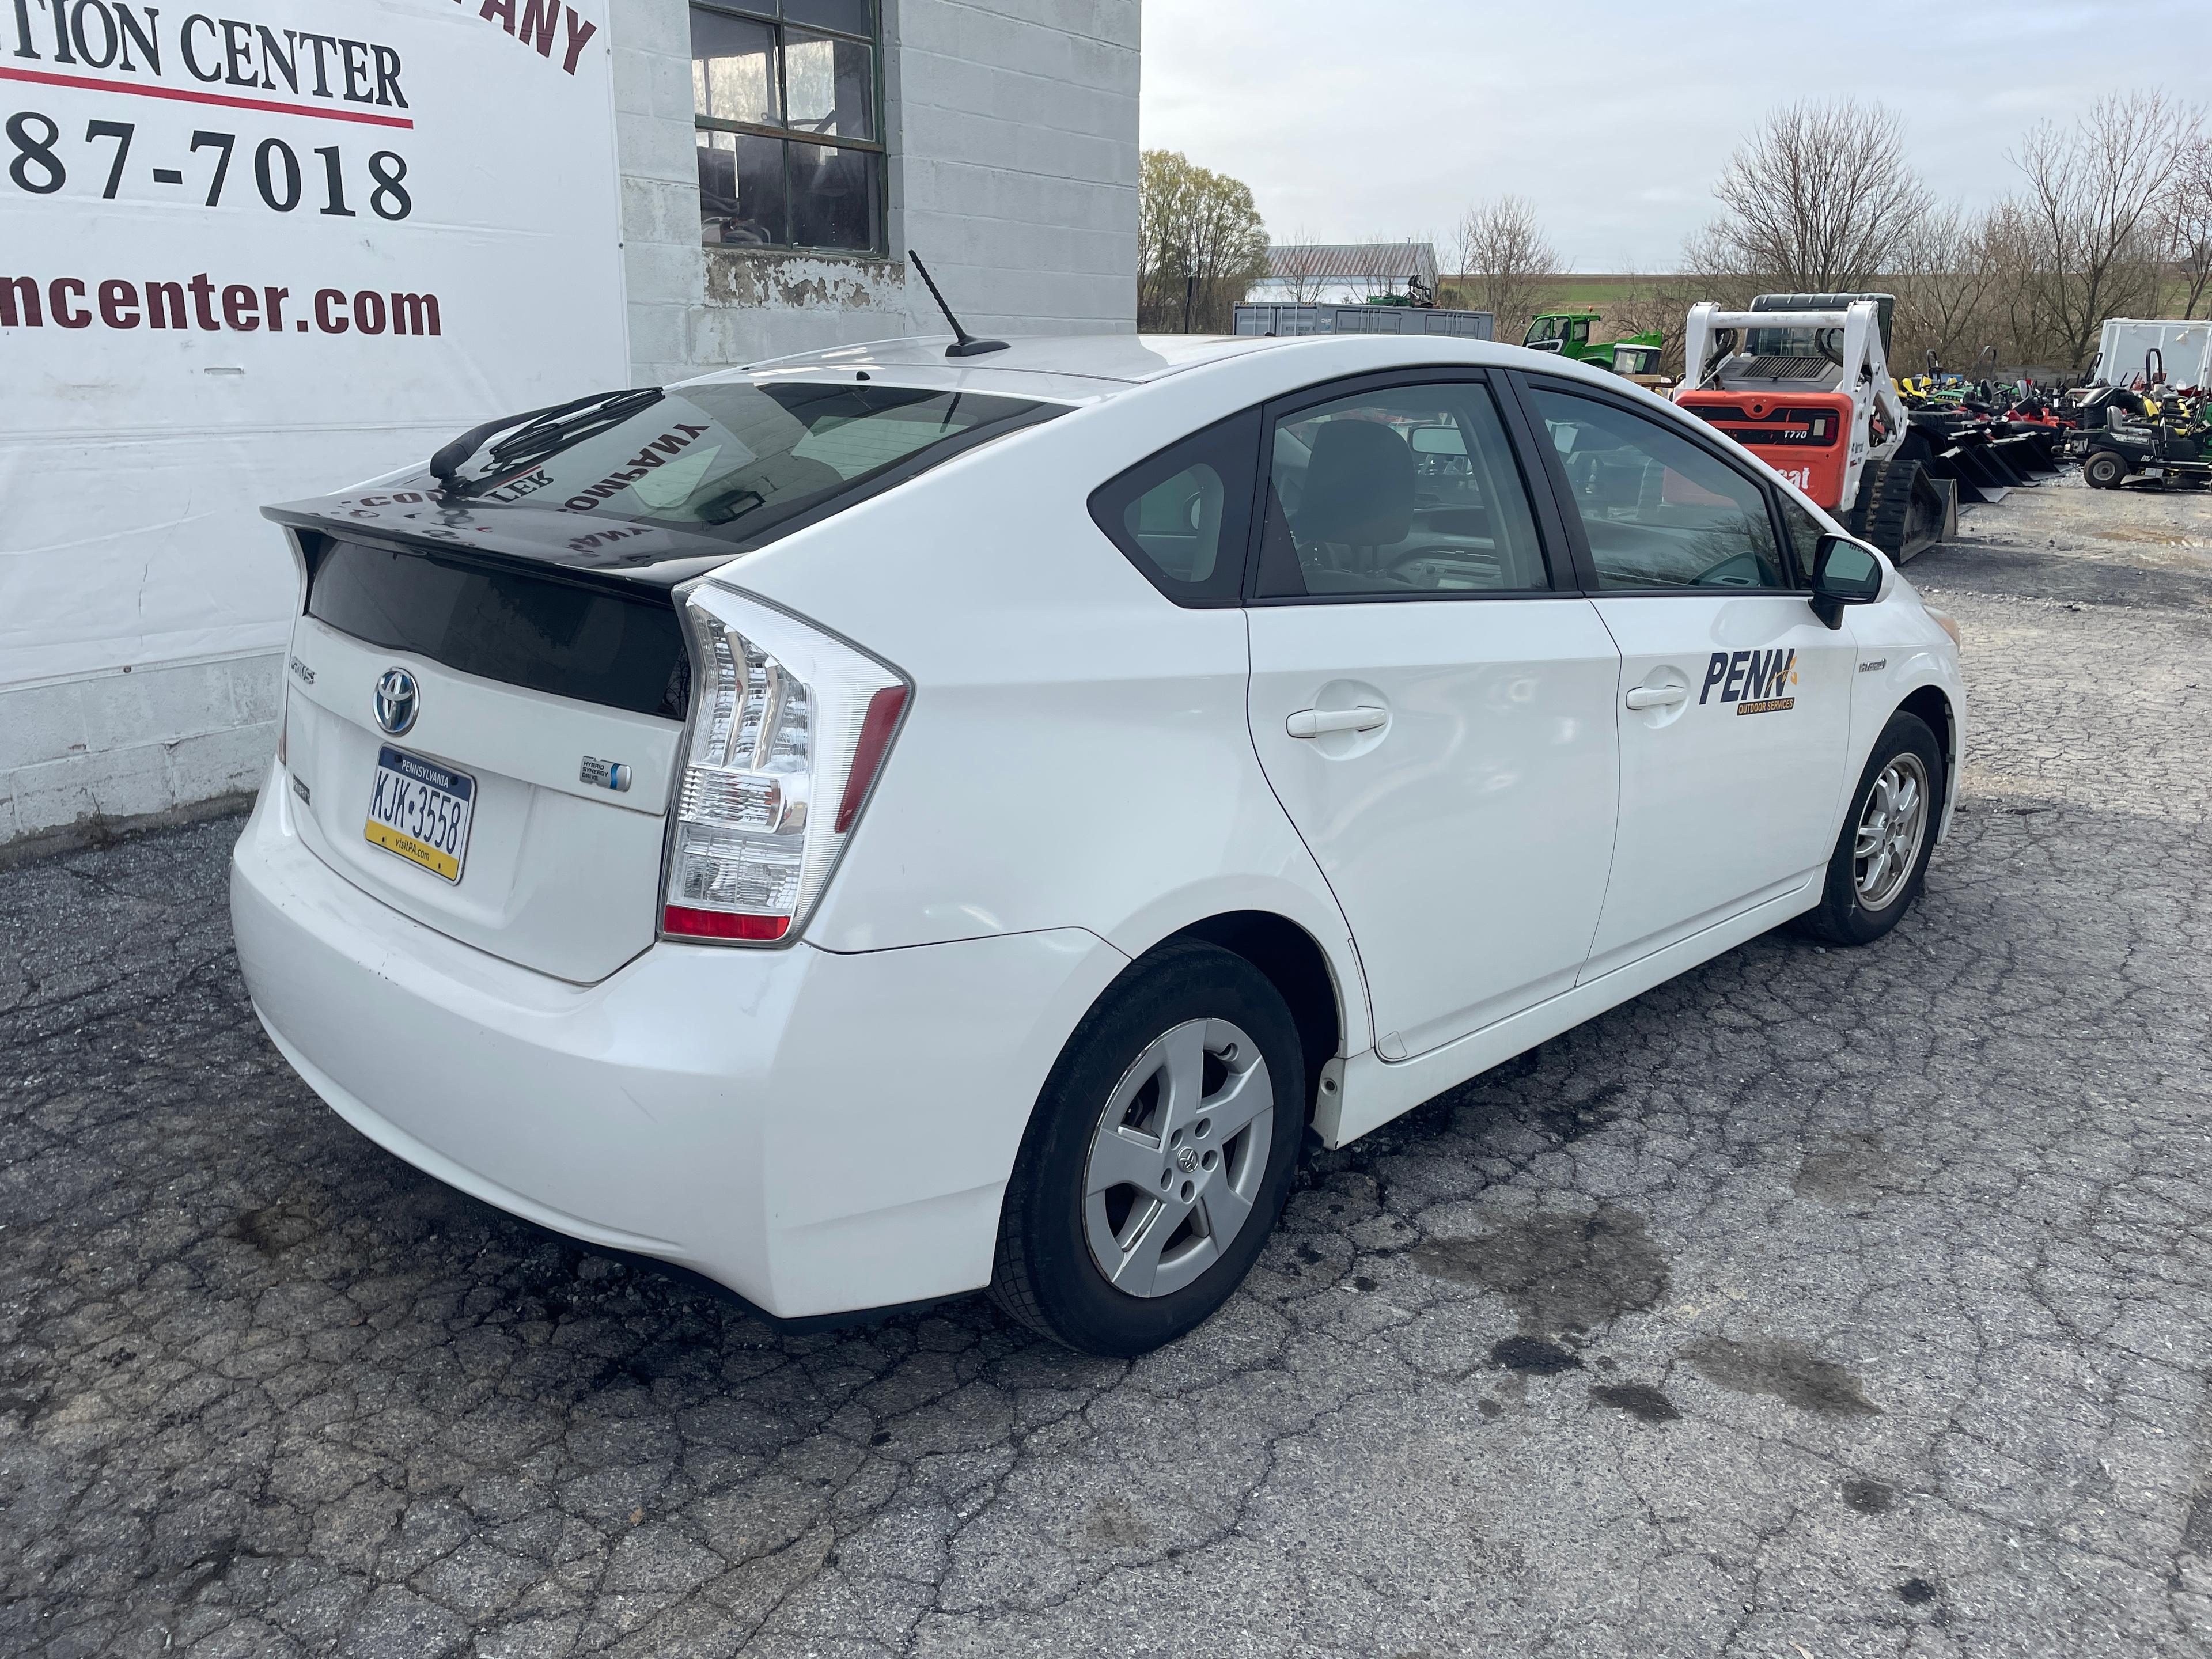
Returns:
(851, 15)
(739, 459)
(1182, 517)
(830, 85)
(1178, 522)
(741, 189)
(1805, 533)
(1660, 511)
(734, 69)
(833, 196)
(506, 625)
(855, 445)
(1409, 490)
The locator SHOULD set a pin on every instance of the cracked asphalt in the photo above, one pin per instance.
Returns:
(1816, 1304)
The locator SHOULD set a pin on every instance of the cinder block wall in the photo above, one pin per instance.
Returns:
(132, 745)
(1012, 129)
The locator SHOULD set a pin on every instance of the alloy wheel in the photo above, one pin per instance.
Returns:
(1891, 825)
(1178, 1157)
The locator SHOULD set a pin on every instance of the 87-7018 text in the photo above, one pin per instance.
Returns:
(278, 176)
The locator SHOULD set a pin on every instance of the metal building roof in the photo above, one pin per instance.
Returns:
(1391, 262)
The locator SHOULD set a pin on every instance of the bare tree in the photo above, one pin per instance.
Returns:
(2019, 320)
(1658, 305)
(1944, 273)
(2090, 209)
(1201, 244)
(1505, 263)
(2186, 217)
(1816, 202)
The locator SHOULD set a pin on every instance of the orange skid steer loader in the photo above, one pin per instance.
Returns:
(1802, 381)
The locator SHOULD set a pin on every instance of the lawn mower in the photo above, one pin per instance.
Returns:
(2125, 436)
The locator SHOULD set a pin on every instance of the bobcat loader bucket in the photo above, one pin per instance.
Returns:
(1903, 509)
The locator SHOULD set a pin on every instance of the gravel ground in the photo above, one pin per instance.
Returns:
(1817, 1303)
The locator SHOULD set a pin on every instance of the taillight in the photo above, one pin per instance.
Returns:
(789, 726)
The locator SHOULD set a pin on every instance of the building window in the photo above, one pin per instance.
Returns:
(786, 97)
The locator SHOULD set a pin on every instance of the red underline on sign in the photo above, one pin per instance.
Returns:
(181, 95)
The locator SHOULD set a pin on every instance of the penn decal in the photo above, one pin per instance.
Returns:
(1753, 680)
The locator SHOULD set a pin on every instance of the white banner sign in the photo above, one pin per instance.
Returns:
(262, 252)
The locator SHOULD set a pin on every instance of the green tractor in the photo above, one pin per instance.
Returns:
(1635, 356)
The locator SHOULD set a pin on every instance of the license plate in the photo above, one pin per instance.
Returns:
(421, 810)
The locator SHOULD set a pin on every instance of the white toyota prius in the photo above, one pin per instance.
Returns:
(870, 826)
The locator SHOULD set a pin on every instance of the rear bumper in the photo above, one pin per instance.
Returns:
(819, 1132)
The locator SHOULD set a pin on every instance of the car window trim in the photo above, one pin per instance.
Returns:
(1550, 544)
(1527, 385)
(1781, 499)
(1563, 529)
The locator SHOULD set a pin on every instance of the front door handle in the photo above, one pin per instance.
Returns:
(1312, 722)
(1658, 697)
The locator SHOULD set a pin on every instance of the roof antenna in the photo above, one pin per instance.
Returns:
(964, 344)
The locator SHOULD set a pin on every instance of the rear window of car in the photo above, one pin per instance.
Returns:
(518, 626)
(742, 461)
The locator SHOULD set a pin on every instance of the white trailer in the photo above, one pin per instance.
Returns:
(2125, 351)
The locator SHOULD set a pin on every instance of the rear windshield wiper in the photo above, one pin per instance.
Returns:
(543, 431)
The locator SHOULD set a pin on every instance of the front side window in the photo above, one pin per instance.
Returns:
(1409, 490)
(790, 145)
(1660, 511)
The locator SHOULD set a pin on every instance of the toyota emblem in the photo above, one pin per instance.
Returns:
(398, 700)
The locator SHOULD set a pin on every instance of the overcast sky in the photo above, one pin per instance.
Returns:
(1365, 117)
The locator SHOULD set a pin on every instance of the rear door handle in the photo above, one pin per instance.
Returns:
(1658, 697)
(1312, 722)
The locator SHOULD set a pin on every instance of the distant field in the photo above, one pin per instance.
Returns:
(1601, 286)
(1579, 292)
(1597, 291)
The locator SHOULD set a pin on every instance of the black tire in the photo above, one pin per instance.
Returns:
(1844, 917)
(1044, 1275)
(2103, 470)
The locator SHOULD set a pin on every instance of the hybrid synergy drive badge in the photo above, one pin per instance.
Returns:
(605, 773)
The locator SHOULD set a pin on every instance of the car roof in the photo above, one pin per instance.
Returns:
(1089, 367)
(1128, 358)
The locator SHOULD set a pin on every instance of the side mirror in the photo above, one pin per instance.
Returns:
(1844, 572)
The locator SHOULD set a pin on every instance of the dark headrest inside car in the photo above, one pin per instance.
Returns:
(1359, 486)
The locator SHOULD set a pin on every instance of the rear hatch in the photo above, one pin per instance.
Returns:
(510, 790)
(487, 690)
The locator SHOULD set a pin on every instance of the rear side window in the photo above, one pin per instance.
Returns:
(1407, 491)
(1184, 516)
